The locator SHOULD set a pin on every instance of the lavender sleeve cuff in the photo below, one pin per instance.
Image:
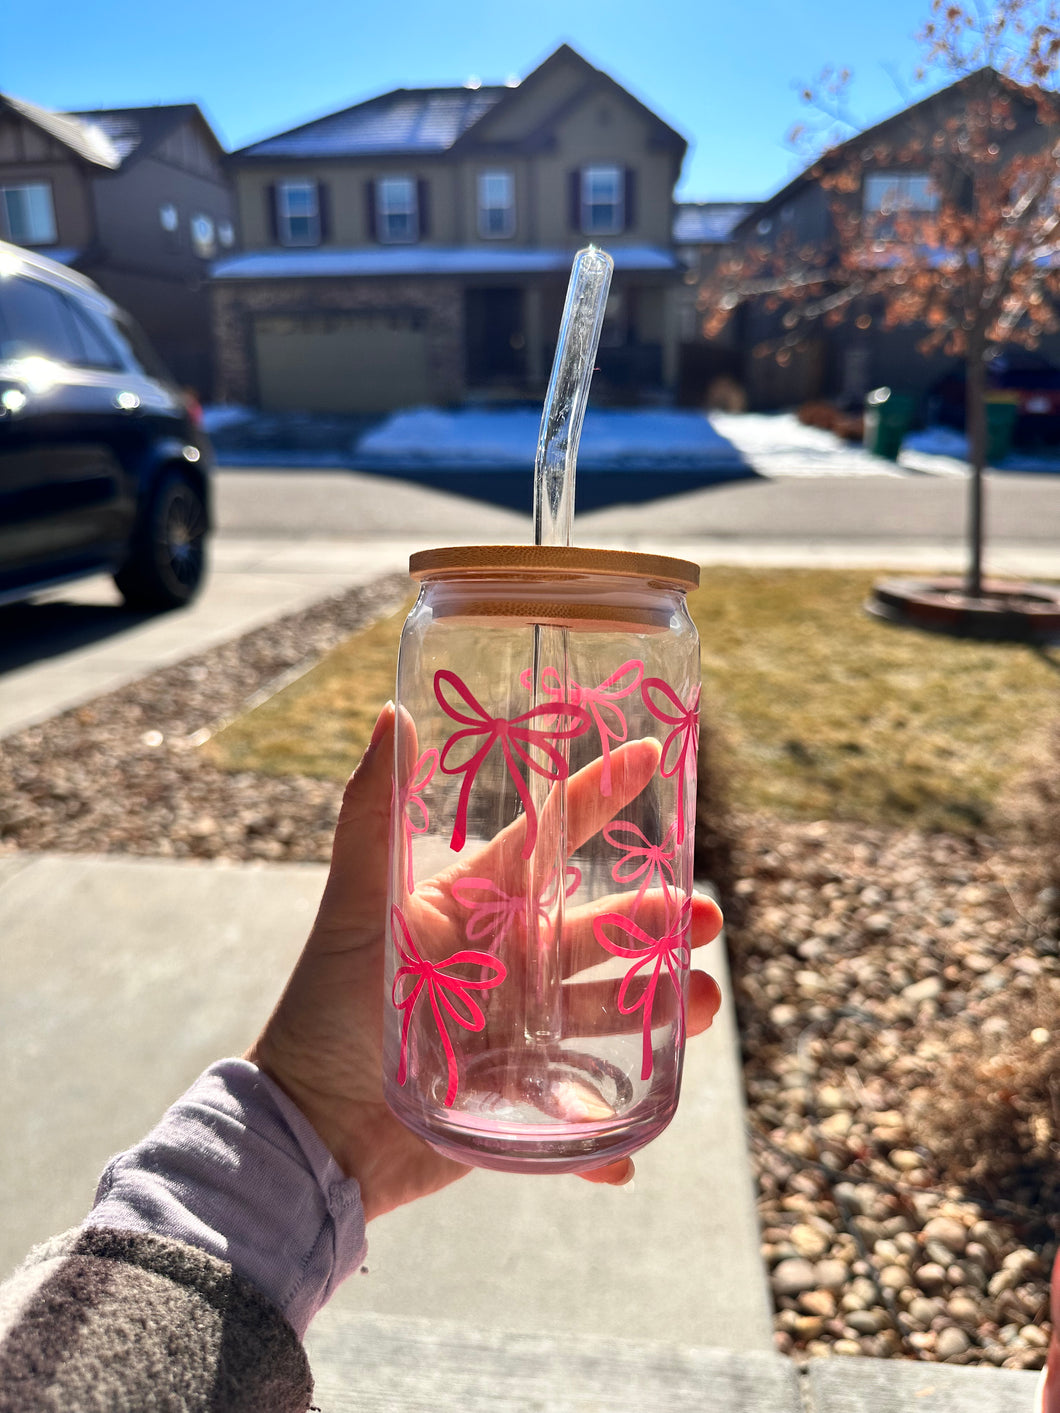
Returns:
(235, 1168)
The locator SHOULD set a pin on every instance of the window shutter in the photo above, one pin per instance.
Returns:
(631, 199)
(423, 206)
(323, 211)
(574, 200)
(272, 224)
(369, 210)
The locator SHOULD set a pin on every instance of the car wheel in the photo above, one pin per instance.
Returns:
(168, 561)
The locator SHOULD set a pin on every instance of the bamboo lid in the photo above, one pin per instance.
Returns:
(459, 560)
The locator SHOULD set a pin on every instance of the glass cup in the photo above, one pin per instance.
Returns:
(541, 853)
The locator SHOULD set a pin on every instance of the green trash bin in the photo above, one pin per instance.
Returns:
(888, 416)
(1002, 410)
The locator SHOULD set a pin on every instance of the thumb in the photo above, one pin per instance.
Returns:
(354, 898)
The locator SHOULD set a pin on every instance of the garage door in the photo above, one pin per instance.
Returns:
(341, 362)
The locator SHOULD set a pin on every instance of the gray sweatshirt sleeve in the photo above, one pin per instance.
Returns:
(235, 1168)
(211, 1245)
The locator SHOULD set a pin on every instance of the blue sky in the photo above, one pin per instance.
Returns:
(725, 75)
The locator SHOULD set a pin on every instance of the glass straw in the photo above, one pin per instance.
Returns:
(568, 392)
(554, 471)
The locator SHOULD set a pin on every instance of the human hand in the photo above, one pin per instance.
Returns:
(323, 1044)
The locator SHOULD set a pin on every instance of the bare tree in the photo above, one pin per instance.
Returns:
(968, 251)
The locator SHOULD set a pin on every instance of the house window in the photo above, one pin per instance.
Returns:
(29, 217)
(203, 239)
(602, 200)
(496, 204)
(168, 217)
(398, 217)
(297, 213)
(889, 196)
(226, 234)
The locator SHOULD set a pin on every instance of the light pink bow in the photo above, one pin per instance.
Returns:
(517, 738)
(494, 915)
(415, 816)
(642, 859)
(671, 951)
(446, 992)
(680, 747)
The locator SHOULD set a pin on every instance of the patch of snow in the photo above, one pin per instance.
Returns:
(778, 444)
(423, 260)
(709, 222)
(937, 441)
(611, 439)
(946, 442)
(219, 415)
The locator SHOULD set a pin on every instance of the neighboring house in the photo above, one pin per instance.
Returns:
(135, 198)
(416, 247)
(703, 233)
(843, 360)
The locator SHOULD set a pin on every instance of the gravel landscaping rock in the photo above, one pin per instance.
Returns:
(839, 1064)
(861, 959)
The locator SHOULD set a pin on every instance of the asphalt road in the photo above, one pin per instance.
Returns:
(1021, 509)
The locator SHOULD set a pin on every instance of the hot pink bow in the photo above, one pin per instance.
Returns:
(414, 811)
(447, 993)
(608, 718)
(642, 859)
(671, 950)
(680, 747)
(517, 737)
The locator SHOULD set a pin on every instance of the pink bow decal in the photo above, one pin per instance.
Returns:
(608, 718)
(446, 992)
(671, 950)
(517, 738)
(494, 916)
(680, 747)
(642, 859)
(415, 816)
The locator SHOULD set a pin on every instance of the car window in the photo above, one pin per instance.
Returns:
(96, 350)
(36, 322)
(136, 345)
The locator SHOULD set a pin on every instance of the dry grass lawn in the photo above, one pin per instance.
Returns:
(829, 713)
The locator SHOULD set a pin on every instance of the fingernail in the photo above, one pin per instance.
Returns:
(380, 727)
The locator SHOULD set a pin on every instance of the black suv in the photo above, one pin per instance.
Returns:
(102, 466)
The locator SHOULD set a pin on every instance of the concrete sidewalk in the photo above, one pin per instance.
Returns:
(125, 977)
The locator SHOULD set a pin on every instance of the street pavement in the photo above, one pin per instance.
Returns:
(125, 976)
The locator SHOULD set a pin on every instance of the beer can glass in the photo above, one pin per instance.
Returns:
(540, 878)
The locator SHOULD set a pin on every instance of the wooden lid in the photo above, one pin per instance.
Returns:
(476, 560)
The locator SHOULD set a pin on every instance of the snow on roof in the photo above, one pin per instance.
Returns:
(708, 222)
(425, 260)
(407, 120)
(87, 139)
(121, 131)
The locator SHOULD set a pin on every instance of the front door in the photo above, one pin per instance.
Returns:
(495, 337)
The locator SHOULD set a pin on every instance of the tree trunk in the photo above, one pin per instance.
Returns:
(975, 427)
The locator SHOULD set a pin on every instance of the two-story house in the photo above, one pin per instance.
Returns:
(135, 198)
(881, 186)
(416, 247)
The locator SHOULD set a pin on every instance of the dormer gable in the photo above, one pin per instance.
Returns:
(525, 117)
